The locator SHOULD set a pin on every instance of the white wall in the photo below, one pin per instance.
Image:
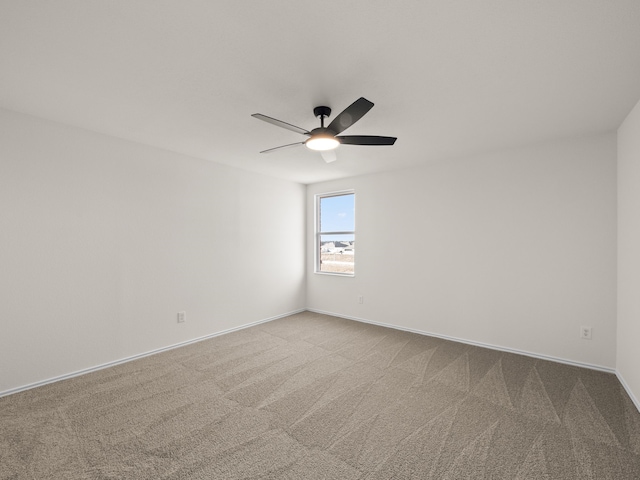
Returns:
(103, 241)
(515, 249)
(628, 362)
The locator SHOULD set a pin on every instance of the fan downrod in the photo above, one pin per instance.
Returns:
(322, 113)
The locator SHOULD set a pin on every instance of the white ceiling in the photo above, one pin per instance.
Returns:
(448, 77)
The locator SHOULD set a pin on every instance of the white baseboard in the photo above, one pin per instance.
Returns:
(628, 390)
(141, 355)
(362, 320)
(600, 368)
(477, 344)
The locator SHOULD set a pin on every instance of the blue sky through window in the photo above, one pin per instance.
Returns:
(337, 214)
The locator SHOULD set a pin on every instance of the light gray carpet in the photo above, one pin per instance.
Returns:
(315, 397)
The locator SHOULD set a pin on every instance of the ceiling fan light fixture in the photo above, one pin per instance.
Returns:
(326, 139)
(322, 142)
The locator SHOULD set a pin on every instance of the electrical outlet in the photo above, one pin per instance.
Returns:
(585, 333)
(360, 299)
(182, 317)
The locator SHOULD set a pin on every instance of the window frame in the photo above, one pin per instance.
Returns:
(318, 233)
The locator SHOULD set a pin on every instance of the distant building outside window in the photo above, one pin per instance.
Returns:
(335, 233)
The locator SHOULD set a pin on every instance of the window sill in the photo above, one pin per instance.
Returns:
(335, 274)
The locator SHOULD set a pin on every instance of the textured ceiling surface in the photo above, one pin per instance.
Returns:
(448, 78)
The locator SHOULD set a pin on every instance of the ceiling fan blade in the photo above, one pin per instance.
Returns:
(282, 146)
(280, 123)
(366, 140)
(350, 115)
(329, 156)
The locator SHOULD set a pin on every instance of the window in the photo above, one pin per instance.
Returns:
(335, 233)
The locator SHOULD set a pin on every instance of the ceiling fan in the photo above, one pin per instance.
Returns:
(326, 139)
